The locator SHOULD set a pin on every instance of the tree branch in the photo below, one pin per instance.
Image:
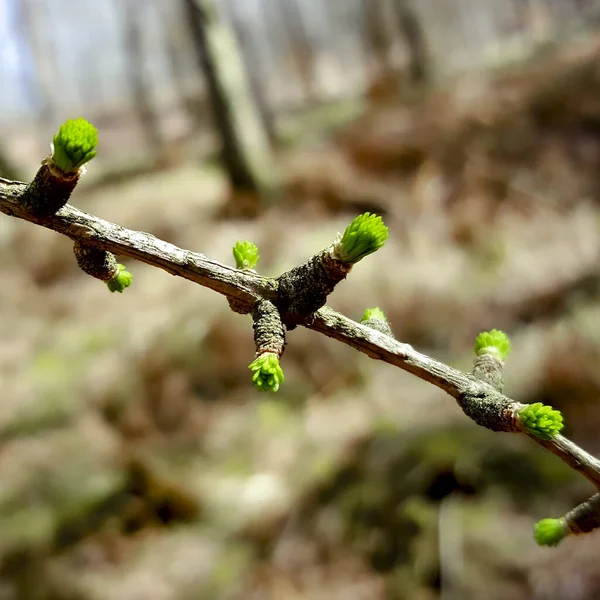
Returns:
(457, 384)
(244, 288)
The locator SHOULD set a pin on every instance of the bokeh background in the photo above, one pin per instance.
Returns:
(137, 462)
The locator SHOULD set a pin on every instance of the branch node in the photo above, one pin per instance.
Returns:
(585, 517)
(238, 306)
(269, 337)
(269, 332)
(489, 368)
(95, 262)
(375, 319)
(305, 288)
(73, 146)
(490, 409)
(49, 191)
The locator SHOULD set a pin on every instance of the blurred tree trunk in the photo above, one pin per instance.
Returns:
(245, 151)
(133, 12)
(181, 66)
(302, 49)
(540, 21)
(255, 76)
(376, 35)
(411, 29)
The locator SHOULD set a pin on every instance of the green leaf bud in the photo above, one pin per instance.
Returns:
(246, 255)
(375, 319)
(540, 420)
(267, 374)
(74, 145)
(373, 313)
(494, 342)
(549, 532)
(120, 281)
(365, 235)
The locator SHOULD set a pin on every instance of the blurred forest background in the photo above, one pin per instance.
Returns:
(137, 462)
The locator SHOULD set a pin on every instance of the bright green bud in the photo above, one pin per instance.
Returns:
(120, 281)
(267, 374)
(375, 319)
(549, 532)
(246, 255)
(493, 342)
(373, 313)
(74, 145)
(540, 420)
(365, 235)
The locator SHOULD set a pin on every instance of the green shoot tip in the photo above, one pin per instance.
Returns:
(540, 420)
(246, 255)
(373, 313)
(267, 374)
(74, 145)
(365, 235)
(550, 532)
(120, 281)
(493, 342)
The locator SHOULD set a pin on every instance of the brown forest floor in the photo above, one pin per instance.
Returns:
(138, 462)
